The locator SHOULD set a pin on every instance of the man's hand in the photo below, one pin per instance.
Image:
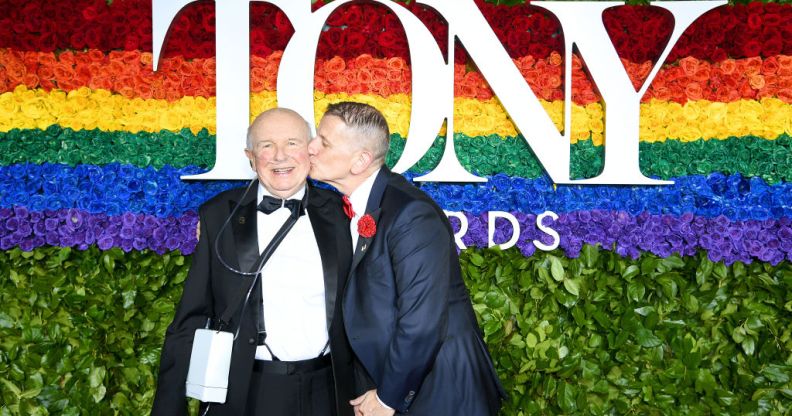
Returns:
(369, 405)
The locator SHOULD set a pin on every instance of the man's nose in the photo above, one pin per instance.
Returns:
(280, 153)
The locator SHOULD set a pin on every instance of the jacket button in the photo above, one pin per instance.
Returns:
(411, 393)
(251, 341)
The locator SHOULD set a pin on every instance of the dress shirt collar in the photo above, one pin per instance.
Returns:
(360, 196)
(262, 191)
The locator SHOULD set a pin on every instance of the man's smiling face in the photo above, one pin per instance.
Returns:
(278, 152)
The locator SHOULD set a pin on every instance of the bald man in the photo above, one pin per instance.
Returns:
(291, 357)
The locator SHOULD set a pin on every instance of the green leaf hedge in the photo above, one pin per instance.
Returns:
(80, 331)
(601, 334)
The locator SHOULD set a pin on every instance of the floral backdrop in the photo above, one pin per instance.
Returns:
(93, 143)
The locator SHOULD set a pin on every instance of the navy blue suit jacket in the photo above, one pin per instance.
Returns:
(408, 314)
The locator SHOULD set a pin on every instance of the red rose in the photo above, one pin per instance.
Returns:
(352, 41)
(366, 226)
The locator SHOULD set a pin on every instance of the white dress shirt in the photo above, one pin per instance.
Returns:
(292, 285)
(359, 200)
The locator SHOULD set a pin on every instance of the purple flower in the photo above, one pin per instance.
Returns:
(20, 211)
(126, 232)
(105, 242)
(128, 219)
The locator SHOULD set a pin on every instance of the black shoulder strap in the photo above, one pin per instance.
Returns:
(244, 292)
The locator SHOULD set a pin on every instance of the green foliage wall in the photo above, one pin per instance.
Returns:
(80, 331)
(606, 335)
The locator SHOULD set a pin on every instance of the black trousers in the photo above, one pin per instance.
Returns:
(297, 393)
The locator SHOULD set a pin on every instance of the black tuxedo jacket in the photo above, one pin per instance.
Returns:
(408, 313)
(210, 287)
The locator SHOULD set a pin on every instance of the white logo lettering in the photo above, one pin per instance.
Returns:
(432, 82)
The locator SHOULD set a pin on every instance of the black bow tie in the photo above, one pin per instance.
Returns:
(269, 204)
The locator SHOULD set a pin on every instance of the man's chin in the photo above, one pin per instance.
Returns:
(316, 176)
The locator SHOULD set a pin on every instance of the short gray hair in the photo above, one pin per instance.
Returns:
(366, 120)
(273, 111)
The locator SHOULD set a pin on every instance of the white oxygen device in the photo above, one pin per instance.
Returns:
(210, 362)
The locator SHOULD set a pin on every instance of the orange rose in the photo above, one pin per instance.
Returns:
(257, 61)
(785, 95)
(82, 58)
(555, 59)
(142, 88)
(188, 69)
(784, 65)
(339, 82)
(29, 59)
(96, 55)
(381, 87)
(364, 77)
(63, 72)
(397, 64)
(380, 73)
(46, 72)
(132, 58)
(459, 71)
(757, 81)
(334, 65)
(47, 59)
(395, 75)
(116, 67)
(211, 84)
(484, 93)
(83, 74)
(770, 66)
(644, 69)
(127, 91)
(549, 81)
(31, 80)
(693, 91)
(746, 91)
(172, 94)
(689, 65)
(209, 66)
(146, 59)
(364, 61)
(767, 92)
(702, 74)
(464, 90)
(99, 82)
(66, 58)
(661, 93)
(15, 71)
(753, 65)
(257, 77)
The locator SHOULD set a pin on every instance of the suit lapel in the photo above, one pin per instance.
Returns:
(364, 243)
(373, 209)
(328, 239)
(245, 229)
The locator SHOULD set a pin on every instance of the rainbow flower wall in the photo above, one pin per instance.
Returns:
(93, 143)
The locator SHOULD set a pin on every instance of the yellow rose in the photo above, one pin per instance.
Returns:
(692, 110)
(34, 108)
(596, 125)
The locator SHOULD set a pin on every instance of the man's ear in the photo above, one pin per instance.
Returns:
(249, 155)
(362, 162)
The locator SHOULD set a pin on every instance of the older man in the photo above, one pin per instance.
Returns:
(291, 356)
(407, 312)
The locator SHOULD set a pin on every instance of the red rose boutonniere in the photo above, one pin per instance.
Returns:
(366, 226)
